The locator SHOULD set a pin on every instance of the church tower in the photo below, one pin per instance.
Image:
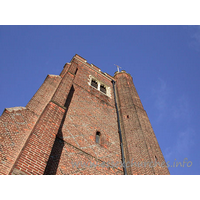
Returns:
(82, 121)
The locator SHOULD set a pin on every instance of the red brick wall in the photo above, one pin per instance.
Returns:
(139, 140)
(65, 69)
(76, 161)
(151, 142)
(86, 115)
(35, 154)
(55, 133)
(16, 124)
(37, 149)
(64, 87)
(89, 111)
(15, 127)
(44, 94)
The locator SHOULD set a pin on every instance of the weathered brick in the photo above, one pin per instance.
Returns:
(58, 127)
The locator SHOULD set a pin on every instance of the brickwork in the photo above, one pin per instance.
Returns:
(86, 115)
(139, 139)
(44, 94)
(35, 154)
(65, 69)
(89, 111)
(64, 87)
(151, 142)
(15, 127)
(56, 132)
(76, 161)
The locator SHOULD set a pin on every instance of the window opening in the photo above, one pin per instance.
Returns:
(156, 158)
(76, 71)
(94, 83)
(100, 86)
(97, 139)
(103, 89)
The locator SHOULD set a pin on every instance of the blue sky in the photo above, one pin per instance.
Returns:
(163, 61)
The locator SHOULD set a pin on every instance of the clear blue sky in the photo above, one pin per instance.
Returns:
(164, 62)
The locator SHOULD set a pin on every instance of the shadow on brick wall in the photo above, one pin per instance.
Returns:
(54, 158)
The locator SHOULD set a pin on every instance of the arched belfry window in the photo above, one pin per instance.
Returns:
(94, 83)
(97, 139)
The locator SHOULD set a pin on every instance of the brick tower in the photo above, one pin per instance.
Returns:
(83, 121)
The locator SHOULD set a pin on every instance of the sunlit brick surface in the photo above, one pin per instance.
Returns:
(55, 133)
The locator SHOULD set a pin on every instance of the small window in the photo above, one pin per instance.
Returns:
(94, 83)
(103, 89)
(97, 139)
(156, 158)
(76, 71)
(98, 85)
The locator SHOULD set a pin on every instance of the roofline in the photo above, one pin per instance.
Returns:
(92, 66)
